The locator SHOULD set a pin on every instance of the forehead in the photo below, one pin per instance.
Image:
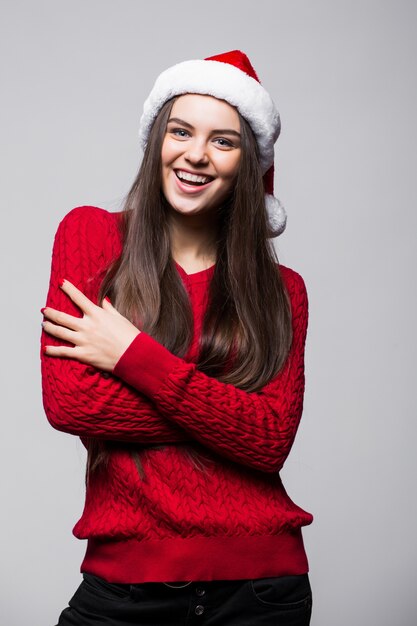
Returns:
(206, 110)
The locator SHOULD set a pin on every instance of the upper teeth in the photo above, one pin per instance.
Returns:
(193, 178)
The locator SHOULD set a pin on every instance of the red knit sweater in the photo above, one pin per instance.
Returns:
(232, 519)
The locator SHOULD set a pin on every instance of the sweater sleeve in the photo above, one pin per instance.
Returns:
(77, 398)
(256, 429)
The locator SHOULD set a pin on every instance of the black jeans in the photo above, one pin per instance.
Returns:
(280, 601)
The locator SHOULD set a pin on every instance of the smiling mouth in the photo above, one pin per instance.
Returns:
(193, 179)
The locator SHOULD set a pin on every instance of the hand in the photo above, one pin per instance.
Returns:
(99, 338)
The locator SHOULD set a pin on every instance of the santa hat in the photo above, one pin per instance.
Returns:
(230, 77)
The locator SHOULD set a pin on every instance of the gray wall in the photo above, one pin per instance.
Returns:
(73, 79)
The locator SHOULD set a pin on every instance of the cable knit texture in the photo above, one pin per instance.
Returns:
(231, 518)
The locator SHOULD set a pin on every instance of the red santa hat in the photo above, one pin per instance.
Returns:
(230, 77)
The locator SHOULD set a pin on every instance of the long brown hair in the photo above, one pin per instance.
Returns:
(246, 334)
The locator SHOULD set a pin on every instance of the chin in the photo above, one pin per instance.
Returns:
(188, 208)
(191, 210)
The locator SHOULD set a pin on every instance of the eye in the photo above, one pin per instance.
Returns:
(181, 133)
(224, 143)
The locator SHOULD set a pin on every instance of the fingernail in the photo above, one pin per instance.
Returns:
(61, 281)
(42, 309)
(44, 349)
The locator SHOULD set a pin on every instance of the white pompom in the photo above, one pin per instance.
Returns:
(277, 217)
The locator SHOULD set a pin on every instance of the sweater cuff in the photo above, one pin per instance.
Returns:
(146, 364)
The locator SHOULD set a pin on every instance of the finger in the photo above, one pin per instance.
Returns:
(77, 296)
(61, 318)
(59, 332)
(106, 304)
(61, 351)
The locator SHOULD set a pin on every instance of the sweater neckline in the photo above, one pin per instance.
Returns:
(196, 277)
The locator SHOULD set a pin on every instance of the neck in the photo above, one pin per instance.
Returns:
(193, 238)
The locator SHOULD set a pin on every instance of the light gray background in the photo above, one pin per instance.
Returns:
(73, 79)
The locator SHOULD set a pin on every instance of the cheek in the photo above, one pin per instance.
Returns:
(170, 151)
(228, 175)
(164, 152)
(230, 167)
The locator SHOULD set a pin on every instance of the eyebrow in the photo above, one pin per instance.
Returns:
(216, 131)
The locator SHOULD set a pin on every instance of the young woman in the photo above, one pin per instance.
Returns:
(173, 345)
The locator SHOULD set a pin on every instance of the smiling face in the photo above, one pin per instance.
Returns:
(200, 153)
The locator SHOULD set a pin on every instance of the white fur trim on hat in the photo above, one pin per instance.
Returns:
(277, 216)
(223, 81)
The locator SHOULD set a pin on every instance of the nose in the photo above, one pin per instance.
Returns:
(196, 153)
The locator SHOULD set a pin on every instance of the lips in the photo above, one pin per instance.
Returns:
(189, 178)
(191, 186)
